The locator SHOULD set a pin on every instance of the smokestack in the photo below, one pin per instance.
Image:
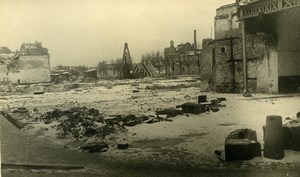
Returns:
(195, 40)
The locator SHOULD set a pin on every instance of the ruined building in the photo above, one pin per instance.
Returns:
(29, 65)
(272, 47)
(181, 60)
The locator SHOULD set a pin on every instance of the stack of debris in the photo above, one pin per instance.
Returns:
(195, 108)
(291, 131)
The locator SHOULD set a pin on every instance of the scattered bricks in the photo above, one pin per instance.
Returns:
(95, 147)
(242, 145)
(292, 135)
(193, 108)
(122, 146)
(274, 138)
(202, 99)
(171, 112)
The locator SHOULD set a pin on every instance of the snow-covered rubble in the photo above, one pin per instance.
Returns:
(194, 136)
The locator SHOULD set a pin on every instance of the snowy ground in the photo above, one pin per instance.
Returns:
(190, 140)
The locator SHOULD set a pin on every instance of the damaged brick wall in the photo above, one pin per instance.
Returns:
(226, 22)
(262, 65)
(206, 58)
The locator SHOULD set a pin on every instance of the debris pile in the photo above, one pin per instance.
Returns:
(291, 131)
(195, 108)
(81, 122)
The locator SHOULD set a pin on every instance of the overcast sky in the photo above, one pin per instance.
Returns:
(84, 32)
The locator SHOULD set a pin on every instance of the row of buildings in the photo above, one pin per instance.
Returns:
(256, 48)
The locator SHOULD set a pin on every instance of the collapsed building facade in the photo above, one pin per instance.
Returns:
(29, 65)
(256, 47)
(182, 60)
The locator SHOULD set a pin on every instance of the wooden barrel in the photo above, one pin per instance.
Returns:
(273, 137)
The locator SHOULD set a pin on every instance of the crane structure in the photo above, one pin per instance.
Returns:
(127, 65)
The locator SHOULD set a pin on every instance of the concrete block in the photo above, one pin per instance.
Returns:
(292, 135)
(241, 149)
(274, 138)
(242, 144)
(193, 108)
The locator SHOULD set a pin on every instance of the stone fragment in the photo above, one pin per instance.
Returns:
(122, 146)
(202, 98)
(214, 109)
(95, 147)
(20, 110)
(193, 108)
(221, 99)
(170, 112)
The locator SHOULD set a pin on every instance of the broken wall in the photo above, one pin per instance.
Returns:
(207, 58)
(284, 27)
(185, 70)
(34, 69)
(261, 62)
(226, 22)
(288, 30)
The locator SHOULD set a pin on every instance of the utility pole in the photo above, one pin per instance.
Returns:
(246, 92)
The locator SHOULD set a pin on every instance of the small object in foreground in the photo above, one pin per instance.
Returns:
(135, 91)
(193, 108)
(202, 99)
(287, 118)
(123, 146)
(298, 115)
(214, 109)
(20, 110)
(95, 147)
(274, 138)
(242, 145)
(218, 152)
(221, 99)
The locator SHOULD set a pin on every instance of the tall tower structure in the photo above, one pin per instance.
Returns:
(127, 67)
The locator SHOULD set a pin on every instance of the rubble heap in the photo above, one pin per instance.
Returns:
(80, 122)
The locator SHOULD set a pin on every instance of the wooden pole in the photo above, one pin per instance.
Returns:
(246, 92)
